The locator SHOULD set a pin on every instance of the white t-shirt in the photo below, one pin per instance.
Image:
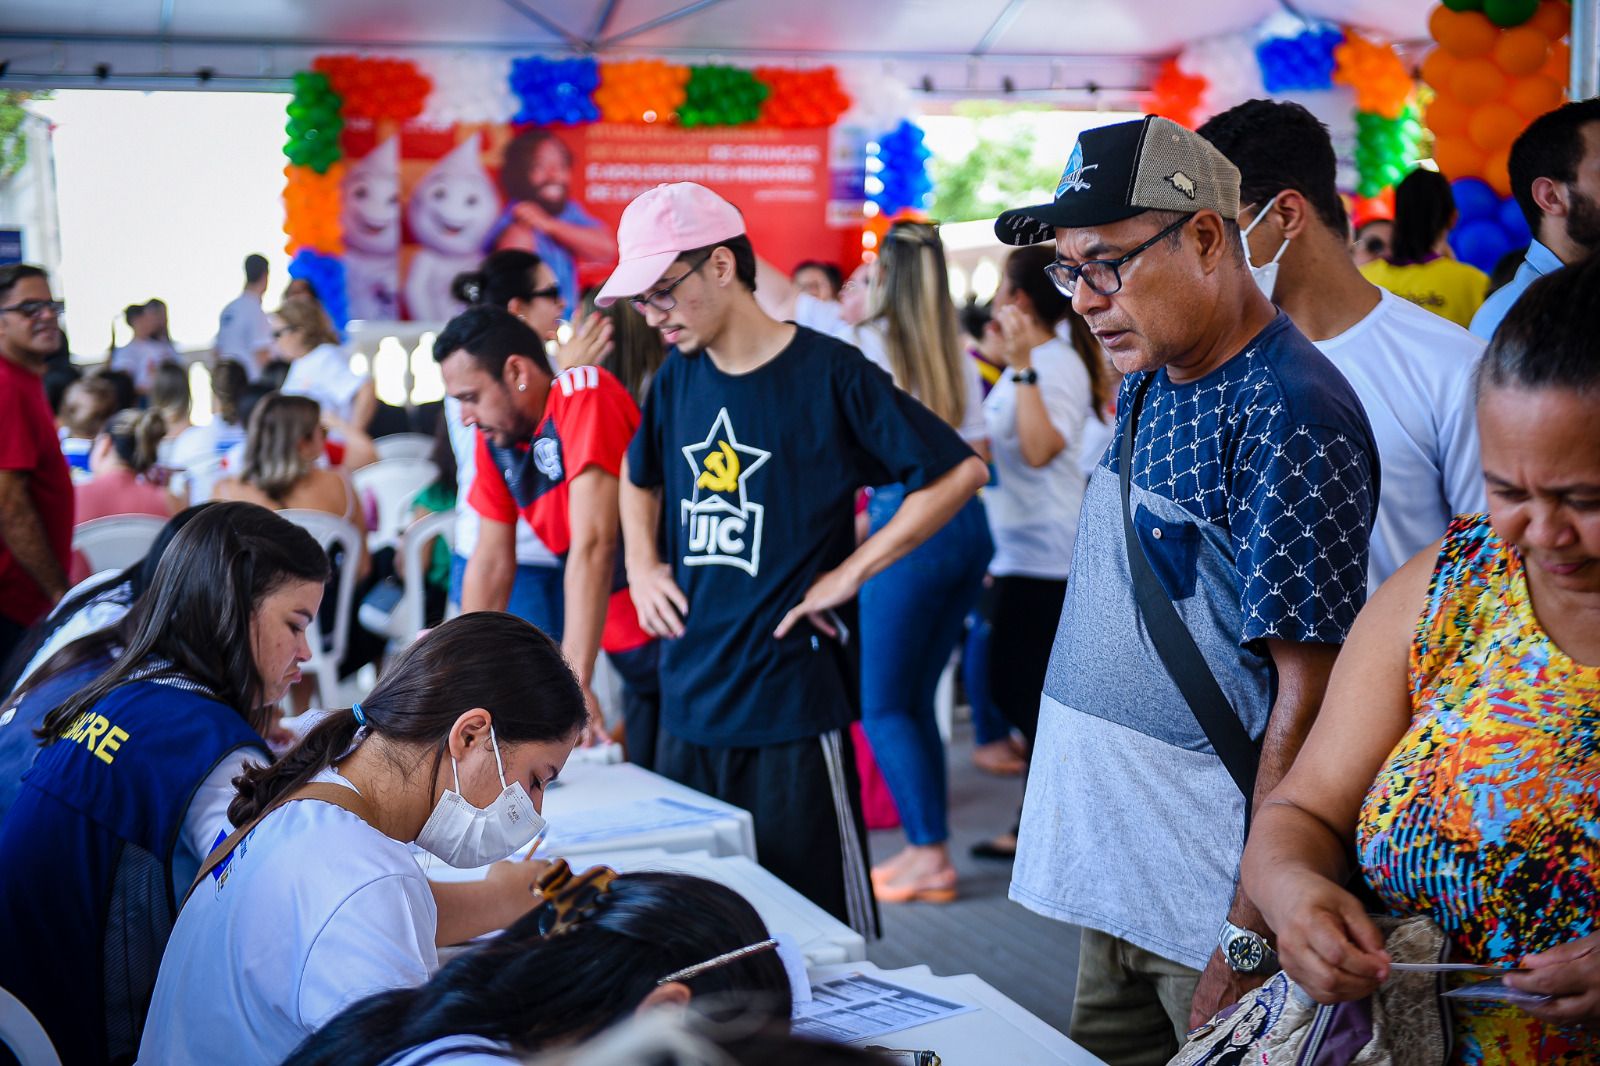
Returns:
(464, 444)
(455, 1051)
(1033, 510)
(314, 910)
(324, 374)
(824, 317)
(196, 454)
(242, 330)
(1413, 372)
(140, 357)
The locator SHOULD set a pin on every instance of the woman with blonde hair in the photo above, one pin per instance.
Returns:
(913, 613)
(319, 366)
(124, 475)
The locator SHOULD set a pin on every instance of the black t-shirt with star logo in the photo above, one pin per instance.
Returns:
(758, 474)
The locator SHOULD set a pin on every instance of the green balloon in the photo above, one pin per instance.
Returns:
(1507, 13)
(1464, 5)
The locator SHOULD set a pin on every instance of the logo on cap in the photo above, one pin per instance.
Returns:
(1072, 177)
(1182, 182)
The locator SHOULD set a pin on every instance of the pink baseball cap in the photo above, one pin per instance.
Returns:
(661, 225)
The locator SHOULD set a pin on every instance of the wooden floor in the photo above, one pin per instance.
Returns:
(1032, 960)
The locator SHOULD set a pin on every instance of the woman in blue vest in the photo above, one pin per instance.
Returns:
(312, 905)
(132, 781)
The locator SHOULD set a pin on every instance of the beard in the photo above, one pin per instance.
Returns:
(1583, 221)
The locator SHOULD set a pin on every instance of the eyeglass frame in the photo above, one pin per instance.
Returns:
(1068, 286)
(650, 299)
(39, 308)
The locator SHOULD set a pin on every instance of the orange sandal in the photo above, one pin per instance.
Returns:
(941, 889)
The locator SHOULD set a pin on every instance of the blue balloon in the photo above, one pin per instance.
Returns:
(326, 275)
(1513, 222)
(1481, 243)
(1475, 200)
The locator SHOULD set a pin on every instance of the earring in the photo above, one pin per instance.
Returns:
(523, 387)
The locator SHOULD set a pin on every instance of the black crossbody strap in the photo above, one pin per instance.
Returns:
(1175, 644)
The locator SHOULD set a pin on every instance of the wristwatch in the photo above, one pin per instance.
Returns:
(1246, 950)
(1029, 376)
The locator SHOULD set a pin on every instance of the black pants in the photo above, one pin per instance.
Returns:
(638, 669)
(1023, 613)
(805, 798)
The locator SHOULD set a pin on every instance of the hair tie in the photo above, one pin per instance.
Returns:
(361, 717)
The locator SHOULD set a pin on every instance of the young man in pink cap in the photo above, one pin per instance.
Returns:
(754, 441)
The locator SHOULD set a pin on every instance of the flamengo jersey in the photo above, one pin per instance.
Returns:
(589, 419)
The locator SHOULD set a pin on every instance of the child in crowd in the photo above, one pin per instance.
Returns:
(86, 407)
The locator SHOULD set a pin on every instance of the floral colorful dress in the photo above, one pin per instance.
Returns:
(1486, 816)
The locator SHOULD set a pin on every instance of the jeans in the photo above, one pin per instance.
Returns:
(639, 671)
(536, 594)
(911, 618)
(988, 724)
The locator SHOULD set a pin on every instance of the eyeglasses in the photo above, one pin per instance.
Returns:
(1104, 276)
(35, 308)
(662, 299)
(552, 293)
(569, 898)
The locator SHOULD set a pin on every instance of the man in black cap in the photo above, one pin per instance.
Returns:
(1209, 593)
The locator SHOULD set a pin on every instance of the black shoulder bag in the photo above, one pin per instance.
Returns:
(1175, 644)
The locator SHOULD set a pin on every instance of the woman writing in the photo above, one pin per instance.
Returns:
(619, 943)
(132, 783)
(317, 900)
(1456, 748)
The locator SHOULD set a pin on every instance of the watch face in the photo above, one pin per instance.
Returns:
(1245, 954)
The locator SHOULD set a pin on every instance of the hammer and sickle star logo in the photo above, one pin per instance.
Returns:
(722, 467)
(722, 470)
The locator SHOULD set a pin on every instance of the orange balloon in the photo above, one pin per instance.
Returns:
(1477, 81)
(1437, 68)
(1493, 127)
(1533, 96)
(1447, 116)
(1458, 157)
(1464, 34)
(1497, 172)
(1521, 50)
(1558, 68)
(1553, 19)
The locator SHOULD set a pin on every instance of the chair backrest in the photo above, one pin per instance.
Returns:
(21, 1032)
(327, 649)
(404, 446)
(393, 484)
(414, 542)
(117, 541)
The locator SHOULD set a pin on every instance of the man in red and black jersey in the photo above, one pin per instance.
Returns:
(550, 449)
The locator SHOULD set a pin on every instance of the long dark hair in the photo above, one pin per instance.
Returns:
(1424, 207)
(532, 991)
(503, 276)
(1546, 340)
(137, 577)
(1024, 272)
(197, 612)
(486, 659)
(637, 351)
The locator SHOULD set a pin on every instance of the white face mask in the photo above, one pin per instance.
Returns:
(1266, 276)
(466, 836)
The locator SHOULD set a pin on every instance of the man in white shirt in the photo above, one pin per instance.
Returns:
(148, 348)
(1411, 369)
(1555, 176)
(243, 331)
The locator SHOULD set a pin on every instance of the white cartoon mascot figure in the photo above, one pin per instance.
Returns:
(370, 219)
(451, 212)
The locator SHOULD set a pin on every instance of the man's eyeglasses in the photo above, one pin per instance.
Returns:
(552, 293)
(35, 308)
(662, 299)
(1104, 276)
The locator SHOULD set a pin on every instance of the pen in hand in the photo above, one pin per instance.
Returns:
(538, 841)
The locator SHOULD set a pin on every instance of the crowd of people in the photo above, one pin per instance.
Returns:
(1277, 580)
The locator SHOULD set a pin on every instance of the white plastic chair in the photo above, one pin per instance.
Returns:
(21, 1032)
(404, 446)
(327, 650)
(414, 543)
(117, 541)
(393, 484)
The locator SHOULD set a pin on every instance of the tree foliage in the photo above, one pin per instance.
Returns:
(999, 173)
(13, 139)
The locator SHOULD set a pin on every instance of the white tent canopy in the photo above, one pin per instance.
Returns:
(968, 47)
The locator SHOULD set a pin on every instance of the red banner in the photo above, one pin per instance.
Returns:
(422, 205)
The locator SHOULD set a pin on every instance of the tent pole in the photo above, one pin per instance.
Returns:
(1585, 81)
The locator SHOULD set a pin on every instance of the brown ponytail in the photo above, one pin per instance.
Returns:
(486, 659)
(136, 436)
(228, 382)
